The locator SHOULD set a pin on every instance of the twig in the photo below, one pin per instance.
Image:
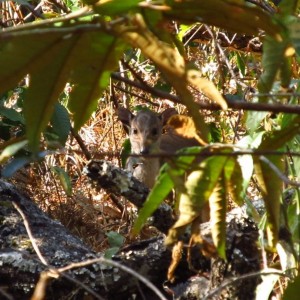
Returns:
(31, 237)
(81, 144)
(117, 265)
(5, 294)
(285, 179)
(52, 272)
(275, 108)
(242, 277)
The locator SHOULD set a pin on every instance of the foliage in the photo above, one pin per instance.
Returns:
(67, 63)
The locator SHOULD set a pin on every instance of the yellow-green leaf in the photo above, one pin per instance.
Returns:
(218, 207)
(46, 84)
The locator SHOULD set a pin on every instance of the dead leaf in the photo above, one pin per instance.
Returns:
(184, 126)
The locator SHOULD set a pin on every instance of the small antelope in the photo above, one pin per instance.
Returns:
(145, 130)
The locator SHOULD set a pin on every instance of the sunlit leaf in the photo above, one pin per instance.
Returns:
(273, 60)
(165, 183)
(264, 289)
(254, 119)
(218, 207)
(199, 187)
(162, 188)
(236, 181)
(271, 190)
(116, 7)
(93, 59)
(10, 150)
(185, 127)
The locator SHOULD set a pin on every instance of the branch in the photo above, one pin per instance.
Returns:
(275, 108)
(122, 183)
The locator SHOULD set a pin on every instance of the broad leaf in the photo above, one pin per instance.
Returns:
(116, 7)
(237, 180)
(236, 16)
(165, 183)
(45, 87)
(274, 60)
(12, 149)
(292, 291)
(271, 190)
(199, 187)
(218, 207)
(160, 191)
(60, 122)
(64, 179)
(95, 56)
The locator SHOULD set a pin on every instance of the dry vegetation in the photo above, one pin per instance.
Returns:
(89, 213)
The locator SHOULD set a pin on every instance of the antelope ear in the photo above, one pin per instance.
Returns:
(167, 114)
(125, 116)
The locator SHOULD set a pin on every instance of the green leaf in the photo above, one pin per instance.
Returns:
(45, 87)
(199, 185)
(278, 138)
(15, 165)
(160, 191)
(271, 190)
(253, 120)
(60, 122)
(110, 252)
(115, 239)
(218, 208)
(237, 178)
(164, 184)
(95, 56)
(10, 150)
(11, 114)
(116, 7)
(34, 46)
(292, 291)
(64, 179)
(273, 60)
(125, 152)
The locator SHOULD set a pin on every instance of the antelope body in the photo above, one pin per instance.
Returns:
(145, 130)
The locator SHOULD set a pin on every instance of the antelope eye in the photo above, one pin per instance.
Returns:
(134, 131)
(154, 131)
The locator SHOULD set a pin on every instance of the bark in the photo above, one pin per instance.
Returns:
(121, 183)
(21, 267)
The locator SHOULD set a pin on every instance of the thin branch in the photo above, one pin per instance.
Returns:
(81, 144)
(30, 235)
(209, 154)
(5, 294)
(53, 272)
(242, 277)
(117, 265)
(274, 107)
(278, 172)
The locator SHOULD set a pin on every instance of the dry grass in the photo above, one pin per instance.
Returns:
(88, 213)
